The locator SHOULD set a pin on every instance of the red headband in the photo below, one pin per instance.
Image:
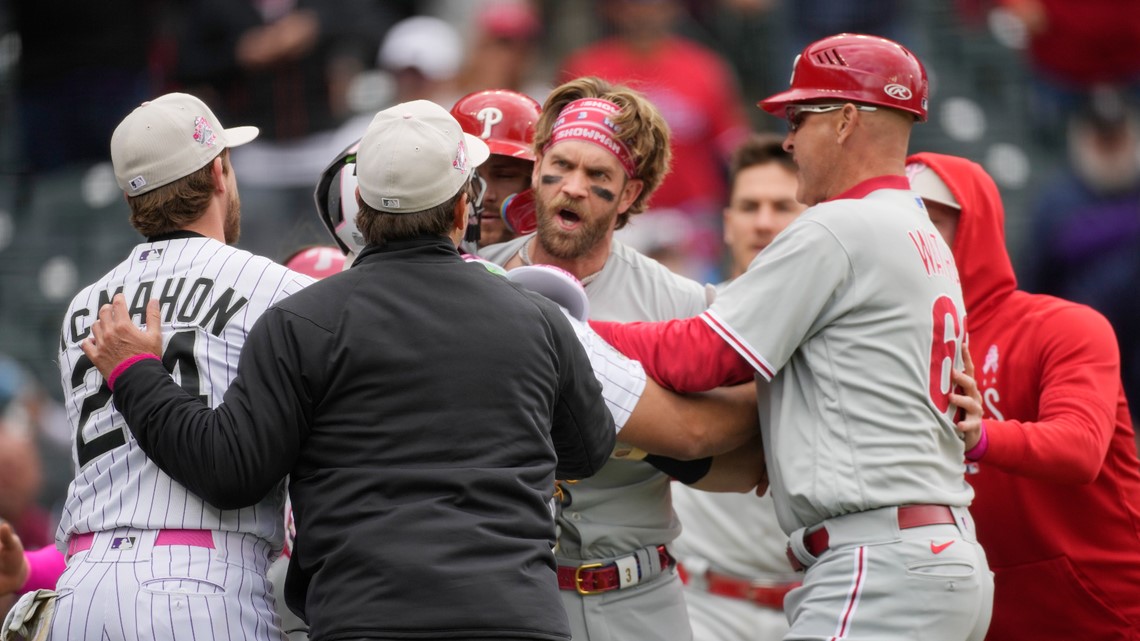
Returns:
(589, 119)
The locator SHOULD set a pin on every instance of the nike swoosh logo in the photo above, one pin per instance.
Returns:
(937, 549)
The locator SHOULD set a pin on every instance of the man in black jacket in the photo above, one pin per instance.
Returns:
(421, 406)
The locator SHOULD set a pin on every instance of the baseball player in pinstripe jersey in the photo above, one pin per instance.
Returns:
(602, 151)
(146, 558)
(853, 320)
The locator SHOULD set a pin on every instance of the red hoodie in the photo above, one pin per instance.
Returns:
(1058, 488)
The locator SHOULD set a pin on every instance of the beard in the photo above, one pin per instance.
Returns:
(232, 226)
(570, 244)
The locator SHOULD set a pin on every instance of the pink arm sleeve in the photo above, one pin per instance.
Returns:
(45, 565)
(684, 355)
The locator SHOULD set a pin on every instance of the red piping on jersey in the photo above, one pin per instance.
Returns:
(873, 184)
(737, 344)
(122, 367)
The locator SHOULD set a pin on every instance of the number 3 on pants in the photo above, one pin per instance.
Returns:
(177, 355)
(946, 340)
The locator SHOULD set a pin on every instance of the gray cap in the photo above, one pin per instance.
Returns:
(415, 156)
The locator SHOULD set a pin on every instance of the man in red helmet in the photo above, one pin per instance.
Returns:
(504, 120)
(853, 322)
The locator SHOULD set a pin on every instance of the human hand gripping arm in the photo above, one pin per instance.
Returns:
(231, 456)
(966, 397)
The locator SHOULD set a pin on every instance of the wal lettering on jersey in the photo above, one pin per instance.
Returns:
(179, 300)
(936, 257)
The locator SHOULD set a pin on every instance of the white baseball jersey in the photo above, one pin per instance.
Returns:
(210, 295)
(854, 315)
(622, 379)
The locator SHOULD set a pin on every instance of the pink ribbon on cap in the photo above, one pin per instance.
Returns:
(589, 119)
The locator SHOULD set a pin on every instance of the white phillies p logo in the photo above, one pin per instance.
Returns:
(489, 116)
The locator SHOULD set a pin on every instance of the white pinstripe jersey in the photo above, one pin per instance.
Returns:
(854, 315)
(622, 378)
(210, 295)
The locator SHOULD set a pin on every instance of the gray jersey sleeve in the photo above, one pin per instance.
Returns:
(755, 314)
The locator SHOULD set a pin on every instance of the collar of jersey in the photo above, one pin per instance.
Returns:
(873, 184)
(174, 235)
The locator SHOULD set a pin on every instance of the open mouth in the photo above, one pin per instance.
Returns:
(569, 219)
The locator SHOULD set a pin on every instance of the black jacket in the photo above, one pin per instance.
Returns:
(422, 407)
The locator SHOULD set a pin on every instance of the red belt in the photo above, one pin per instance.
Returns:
(196, 538)
(595, 578)
(766, 595)
(910, 516)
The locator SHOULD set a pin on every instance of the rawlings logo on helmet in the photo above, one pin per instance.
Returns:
(898, 91)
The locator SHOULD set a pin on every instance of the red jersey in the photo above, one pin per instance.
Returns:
(697, 95)
(1057, 500)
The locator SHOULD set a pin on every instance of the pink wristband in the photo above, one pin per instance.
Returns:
(978, 451)
(45, 566)
(122, 367)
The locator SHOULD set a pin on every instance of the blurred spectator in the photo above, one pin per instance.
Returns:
(79, 73)
(34, 463)
(284, 66)
(21, 472)
(1074, 46)
(1084, 241)
(504, 51)
(752, 35)
(813, 19)
(697, 94)
(424, 55)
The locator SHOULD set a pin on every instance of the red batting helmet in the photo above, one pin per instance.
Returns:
(503, 119)
(856, 68)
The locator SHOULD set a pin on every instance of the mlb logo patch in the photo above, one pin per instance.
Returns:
(150, 254)
(136, 183)
(123, 543)
(390, 202)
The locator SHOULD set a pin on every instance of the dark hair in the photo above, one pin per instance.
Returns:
(173, 206)
(379, 226)
(759, 149)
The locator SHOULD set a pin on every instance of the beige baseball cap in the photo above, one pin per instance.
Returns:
(169, 138)
(415, 156)
(929, 185)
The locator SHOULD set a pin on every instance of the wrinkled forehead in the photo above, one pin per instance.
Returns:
(582, 153)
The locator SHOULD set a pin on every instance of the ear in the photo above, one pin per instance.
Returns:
(845, 125)
(534, 170)
(218, 176)
(460, 213)
(629, 193)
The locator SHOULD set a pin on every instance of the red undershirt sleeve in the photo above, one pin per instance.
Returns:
(684, 355)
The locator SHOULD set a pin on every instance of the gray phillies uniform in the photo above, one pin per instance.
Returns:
(736, 536)
(856, 420)
(626, 509)
(161, 563)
